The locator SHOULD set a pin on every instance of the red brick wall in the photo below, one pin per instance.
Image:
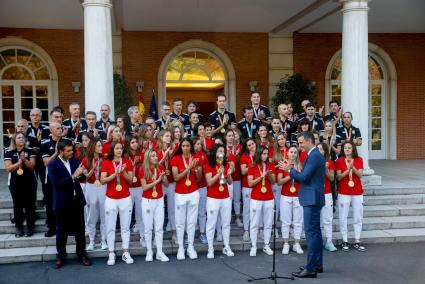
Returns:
(66, 48)
(312, 53)
(143, 53)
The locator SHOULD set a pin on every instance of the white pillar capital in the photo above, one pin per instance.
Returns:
(354, 5)
(102, 3)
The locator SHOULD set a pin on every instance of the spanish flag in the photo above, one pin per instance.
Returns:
(141, 105)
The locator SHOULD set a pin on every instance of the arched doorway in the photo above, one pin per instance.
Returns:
(197, 70)
(28, 79)
(382, 100)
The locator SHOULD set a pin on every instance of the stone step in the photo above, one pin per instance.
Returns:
(48, 253)
(388, 190)
(394, 199)
(7, 203)
(7, 213)
(390, 210)
(8, 239)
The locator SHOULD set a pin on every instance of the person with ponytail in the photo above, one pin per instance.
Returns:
(202, 188)
(261, 176)
(117, 174)
(218, 173)
(152, 177)
(291, 212)
(326, 214)
(95, 194)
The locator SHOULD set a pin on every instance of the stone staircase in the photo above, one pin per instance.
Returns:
(391, 214)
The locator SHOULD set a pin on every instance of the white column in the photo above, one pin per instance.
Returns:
(355, 81)
(98, 70)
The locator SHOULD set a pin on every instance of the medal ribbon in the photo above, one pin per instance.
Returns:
(249, 129)
(117, 177)
(350, 173)
(186, 166)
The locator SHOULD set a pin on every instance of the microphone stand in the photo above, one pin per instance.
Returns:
(273, 276)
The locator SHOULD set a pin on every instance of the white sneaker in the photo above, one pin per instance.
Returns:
(90, 247)
(180, 254)
(246, 237)
(142, 242)
(227, 251)
(297, 248)
(191, 252)
(126, 257)
(219, 237)
(111, 259)
(239, 223)
(261, 234)
(210, 254)
(285, 249)
(149, 256)
(103, 245)
(253, 251)
(162, 257)
(267, 250)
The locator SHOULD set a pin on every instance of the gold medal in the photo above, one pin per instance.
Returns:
(292, 189)
(263, 189)
(221, 188)
(188, 182)
(154, 194)
(118, 187)
(20, 171)
(223, 130)
(134, 179)
(351, 183)
(97, 183)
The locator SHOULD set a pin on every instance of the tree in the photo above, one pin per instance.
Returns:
(294, 89)
(123, 98)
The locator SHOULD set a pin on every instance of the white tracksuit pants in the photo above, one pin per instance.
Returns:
(246, 198)
(136, 201)
(326, 217)
(186, 211)
(260, 208)
(356, 202)
(113, 207)
(86, 209)
(170, 191)
(202, 209)
(291, 212)
(277, 192)
(237, 193)
(216, 207)
(153, 219)
(95, 198)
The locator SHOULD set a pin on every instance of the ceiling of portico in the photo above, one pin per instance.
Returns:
(279, 16)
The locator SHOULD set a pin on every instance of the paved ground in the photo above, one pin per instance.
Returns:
(398, 263)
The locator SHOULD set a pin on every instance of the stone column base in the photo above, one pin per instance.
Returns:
(371, 180)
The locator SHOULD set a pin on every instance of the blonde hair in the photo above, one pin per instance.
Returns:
(277, 154)
(297, 158)
(147, 164)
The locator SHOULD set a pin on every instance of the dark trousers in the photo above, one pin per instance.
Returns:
(40, 173)
(70, 221)
(24, 196)
(50, 215)
(313, 235)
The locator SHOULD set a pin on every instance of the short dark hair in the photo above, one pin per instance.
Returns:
(177, 100)
(165, 103)
(64, 143)
(221, 95)
(308, 136)
(58, 109)
(314, 131)
(304, 121)
(333, 102)
(192, 102)
(90, 113)
(245, 108)
(310, 105)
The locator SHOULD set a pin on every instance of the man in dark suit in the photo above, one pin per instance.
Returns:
(312, 198)
(68, 202)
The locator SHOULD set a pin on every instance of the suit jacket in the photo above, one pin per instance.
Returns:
(63, 186)
(311, 180)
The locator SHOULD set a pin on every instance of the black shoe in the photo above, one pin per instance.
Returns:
(19, 233)
(50, 233)
(59, 263)
(345, 246)
(318, 269)
(358, 246)
(305, 274)
(12, 220)
(29, 232)
(85, 261)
